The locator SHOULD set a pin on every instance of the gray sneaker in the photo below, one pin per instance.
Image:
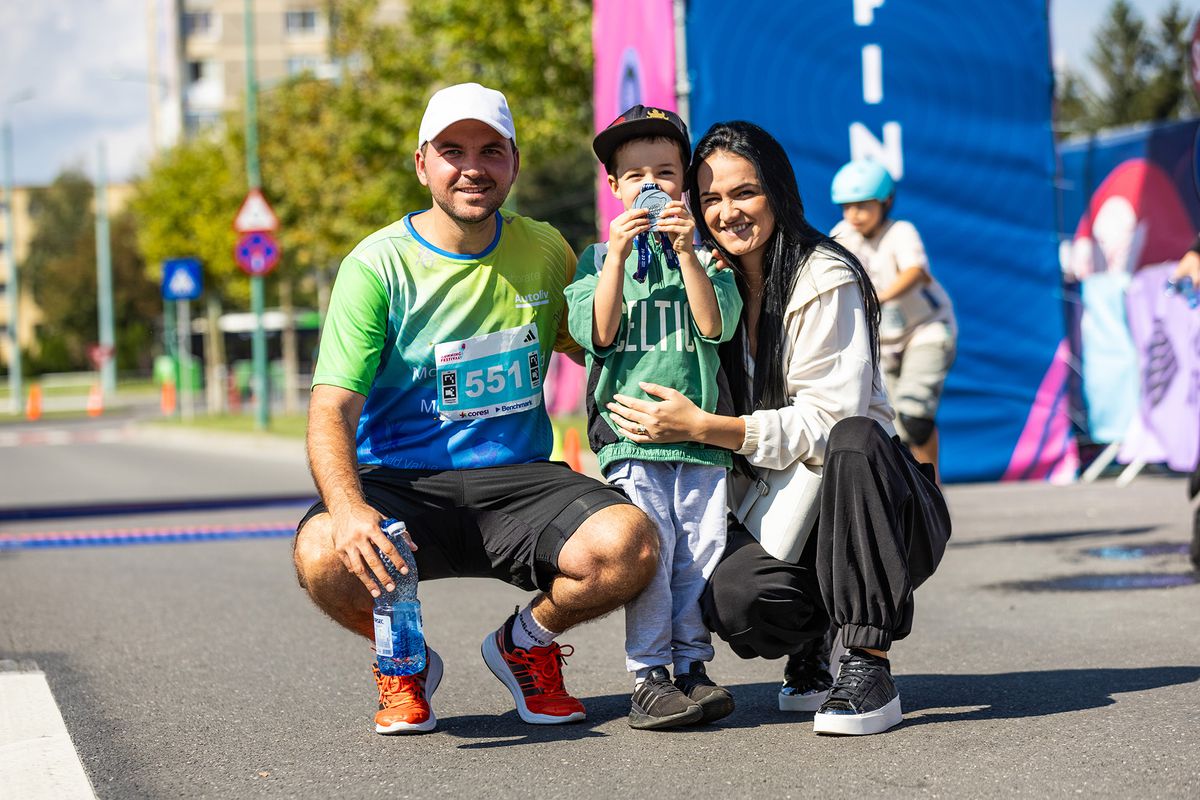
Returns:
(657, 703)
(714, 700)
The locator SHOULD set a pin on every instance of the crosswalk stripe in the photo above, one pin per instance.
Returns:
(37, 759)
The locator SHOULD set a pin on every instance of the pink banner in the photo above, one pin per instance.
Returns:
(1167, 336)
(1047, 449)
(564, 387)
(634, 45)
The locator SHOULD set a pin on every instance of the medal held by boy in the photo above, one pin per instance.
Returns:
(653, 199)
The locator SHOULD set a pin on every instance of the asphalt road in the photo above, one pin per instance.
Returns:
(201, 670)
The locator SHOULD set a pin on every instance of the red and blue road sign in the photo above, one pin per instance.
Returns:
(256, 253)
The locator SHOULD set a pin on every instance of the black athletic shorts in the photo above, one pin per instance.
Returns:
(506, 522)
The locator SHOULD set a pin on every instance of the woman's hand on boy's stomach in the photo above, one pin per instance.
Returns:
(674, 418)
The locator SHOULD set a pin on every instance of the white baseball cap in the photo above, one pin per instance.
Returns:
(466, 101)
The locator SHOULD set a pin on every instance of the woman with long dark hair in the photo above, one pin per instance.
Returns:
(835, 524)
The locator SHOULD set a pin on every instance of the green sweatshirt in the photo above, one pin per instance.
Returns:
(656, 342)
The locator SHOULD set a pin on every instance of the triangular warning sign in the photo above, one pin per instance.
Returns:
(255, 214)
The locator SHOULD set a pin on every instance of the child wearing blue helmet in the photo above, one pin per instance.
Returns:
(917, 329)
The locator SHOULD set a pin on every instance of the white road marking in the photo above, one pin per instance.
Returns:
(37, 759)
(52, 437)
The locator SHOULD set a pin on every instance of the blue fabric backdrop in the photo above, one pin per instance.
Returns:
(971, 91)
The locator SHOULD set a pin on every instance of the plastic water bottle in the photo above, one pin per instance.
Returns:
(399, 638)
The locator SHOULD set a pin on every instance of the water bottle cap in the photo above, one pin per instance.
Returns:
(393, 527)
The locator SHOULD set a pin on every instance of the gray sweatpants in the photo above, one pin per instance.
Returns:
(687, 503)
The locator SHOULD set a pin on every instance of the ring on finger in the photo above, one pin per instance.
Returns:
(641, 430)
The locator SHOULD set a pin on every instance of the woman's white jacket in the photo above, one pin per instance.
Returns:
(830, 375)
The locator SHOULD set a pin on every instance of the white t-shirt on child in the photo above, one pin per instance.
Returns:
(896, 247)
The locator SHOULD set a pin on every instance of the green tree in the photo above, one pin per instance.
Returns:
(60, 273)
(1072, 100)
(1169, 94)
(337, 156)
(1123, 59)
(137, 299)
(185, 206)
(538, 52)
(328, 192)
(1141, 73)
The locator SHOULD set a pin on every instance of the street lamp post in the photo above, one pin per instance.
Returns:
(14, 285)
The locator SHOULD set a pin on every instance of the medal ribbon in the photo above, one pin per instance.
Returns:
(643, 247)
(668, 251)
(645, 254)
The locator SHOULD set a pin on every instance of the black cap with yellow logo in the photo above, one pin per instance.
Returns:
(642, 122)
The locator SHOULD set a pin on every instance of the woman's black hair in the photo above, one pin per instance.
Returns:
(787, 252)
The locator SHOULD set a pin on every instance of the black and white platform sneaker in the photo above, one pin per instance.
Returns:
(863, 699)
(806, 678)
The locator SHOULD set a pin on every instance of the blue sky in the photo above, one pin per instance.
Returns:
(83, 59)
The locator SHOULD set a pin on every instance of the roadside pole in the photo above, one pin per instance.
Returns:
(170, 340)
(13, 285)
(187, 405)
(259, 342)
(104, 283)
(182, 282)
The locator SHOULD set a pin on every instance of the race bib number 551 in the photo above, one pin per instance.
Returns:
(489, 376)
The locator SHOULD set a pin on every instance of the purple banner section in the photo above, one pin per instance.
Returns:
(1166, 334)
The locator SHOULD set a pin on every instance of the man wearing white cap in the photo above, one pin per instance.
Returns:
(427, 407)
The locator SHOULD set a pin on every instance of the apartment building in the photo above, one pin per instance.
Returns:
(198, 55)
(29, 316)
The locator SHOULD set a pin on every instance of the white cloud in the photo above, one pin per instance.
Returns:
(67, 52)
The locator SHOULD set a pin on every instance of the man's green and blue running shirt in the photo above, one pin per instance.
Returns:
(449, 349)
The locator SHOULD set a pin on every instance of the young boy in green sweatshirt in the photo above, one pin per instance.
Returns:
(644, 308)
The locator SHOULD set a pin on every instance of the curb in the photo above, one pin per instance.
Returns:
(256, 445)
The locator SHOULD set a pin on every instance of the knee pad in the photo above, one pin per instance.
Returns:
(918, 429)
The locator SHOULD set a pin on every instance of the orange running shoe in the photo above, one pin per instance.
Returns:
(404, 699)
(534, 677)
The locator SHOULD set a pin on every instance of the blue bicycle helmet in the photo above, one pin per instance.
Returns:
(859, 181)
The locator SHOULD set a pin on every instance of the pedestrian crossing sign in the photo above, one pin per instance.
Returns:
(182, 279)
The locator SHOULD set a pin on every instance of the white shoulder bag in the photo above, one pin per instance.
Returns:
(781, 507)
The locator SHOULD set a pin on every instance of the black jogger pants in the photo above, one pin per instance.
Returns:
(881, 531)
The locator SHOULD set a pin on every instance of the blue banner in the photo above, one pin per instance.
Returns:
(956, 102)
